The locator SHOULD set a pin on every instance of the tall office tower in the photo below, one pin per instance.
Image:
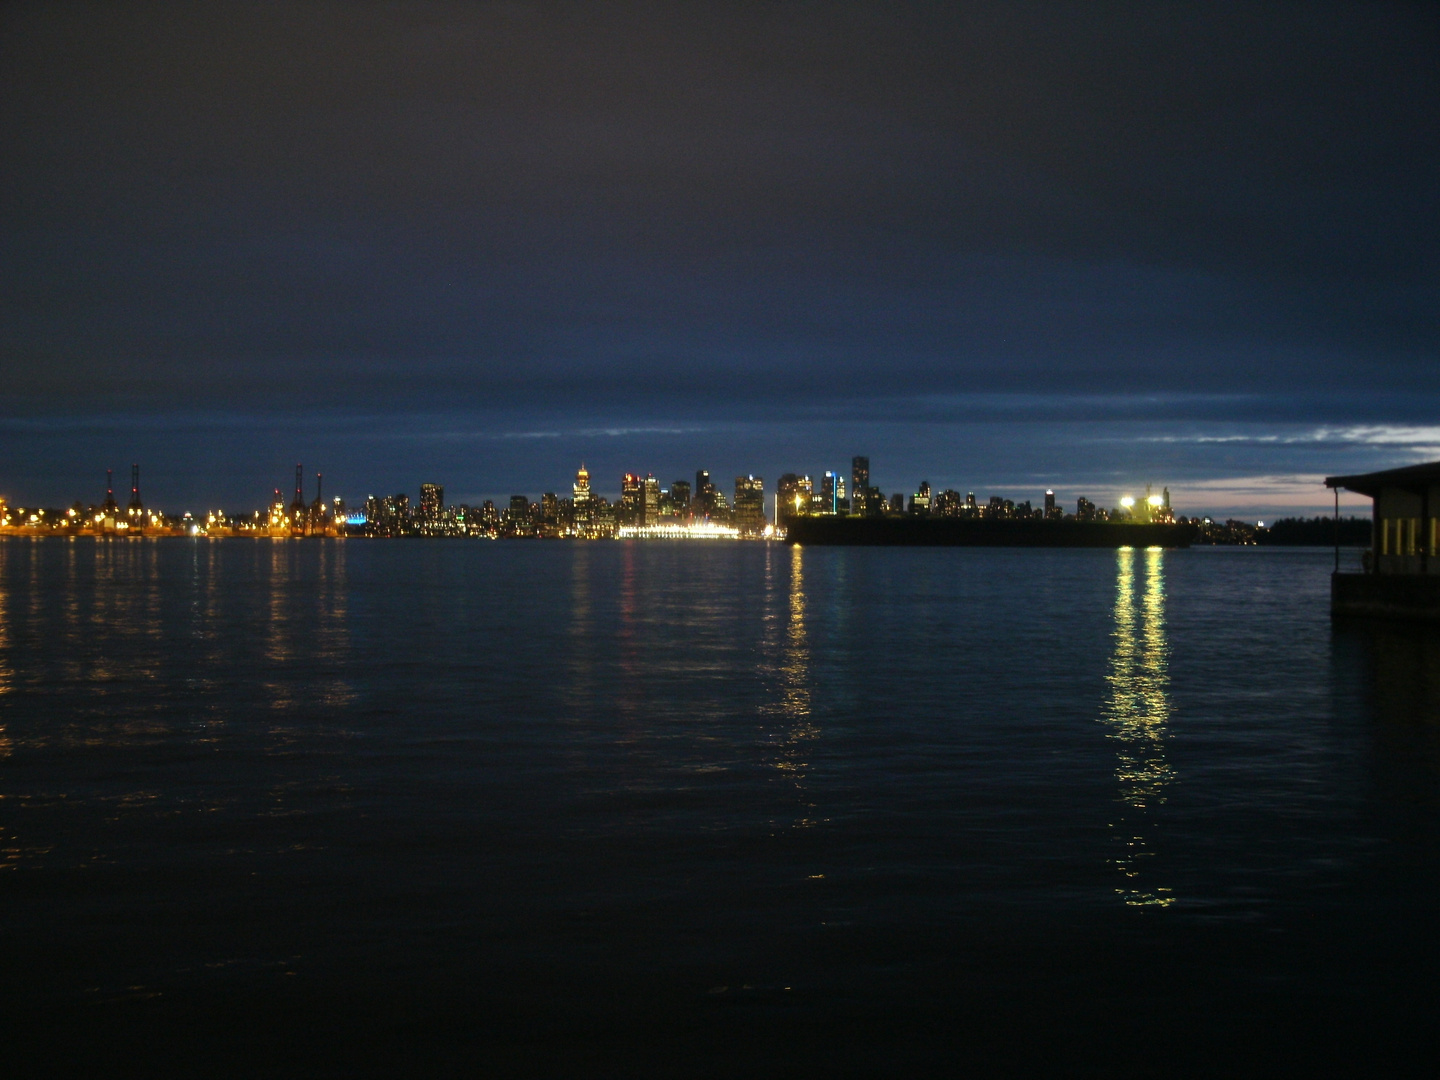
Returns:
(650, 500)
(136, 510)
(972, 509)
(897, 503)
(749, 515)
(432, 503)
(584, 503)
(859, 484)
(489, 516)
(719, 507)
(920, 501)
(1051, 511)
(829, 500)
(516, 518)
(549, 510)
(680, 498)
(703, 497)
(632, 500)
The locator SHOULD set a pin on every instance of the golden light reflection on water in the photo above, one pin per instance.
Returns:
(7, 674)
(798, 728)
(1138, 712)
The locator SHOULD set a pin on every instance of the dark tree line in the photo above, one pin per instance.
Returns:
(1317, 532)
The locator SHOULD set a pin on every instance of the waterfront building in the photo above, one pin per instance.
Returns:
(1401, 574)
(1084, 509)
(650, 500)
(1051, 510)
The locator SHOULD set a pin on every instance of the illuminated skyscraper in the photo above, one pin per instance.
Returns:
(829, 495)
(680, 498)
(859, 484)
(584, 504)
(650, 500)
(920, 501)
(749, 516)
(703, 498)
(632, 500)
(432, 504)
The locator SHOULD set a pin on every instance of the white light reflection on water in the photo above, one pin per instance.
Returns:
(1138, 712)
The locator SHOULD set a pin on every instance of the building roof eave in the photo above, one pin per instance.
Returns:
(1410, 477)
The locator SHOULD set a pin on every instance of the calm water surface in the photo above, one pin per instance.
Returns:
(617, 808)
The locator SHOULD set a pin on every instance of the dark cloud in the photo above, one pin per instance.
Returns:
(694, 211)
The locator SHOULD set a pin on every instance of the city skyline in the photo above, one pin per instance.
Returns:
(642, 506)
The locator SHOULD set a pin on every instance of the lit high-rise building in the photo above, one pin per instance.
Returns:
(749, 516)
(650, 500)
(680, 498)
(859, 484)
(432, 504)
(703, 498)
(632, 500)
(920, 501)
(829, 494)
(584, 504)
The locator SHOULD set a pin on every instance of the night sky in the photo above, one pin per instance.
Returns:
(996, 247)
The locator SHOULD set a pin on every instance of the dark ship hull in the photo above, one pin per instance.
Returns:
(984, 532)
